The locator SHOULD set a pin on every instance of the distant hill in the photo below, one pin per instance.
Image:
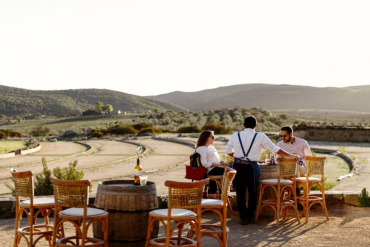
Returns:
(16, 101)
(273, 97)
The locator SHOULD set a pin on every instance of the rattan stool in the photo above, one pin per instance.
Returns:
(286, 169)
(314, 166)
(24, 187)
(184, 200)
(74, 196)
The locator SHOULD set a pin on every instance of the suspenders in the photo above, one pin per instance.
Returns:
(250, 147)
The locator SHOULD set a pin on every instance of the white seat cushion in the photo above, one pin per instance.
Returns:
(275, 181)
(78, 212)
(212, 202)
(39, 202)
(311, 179)
(175, 213)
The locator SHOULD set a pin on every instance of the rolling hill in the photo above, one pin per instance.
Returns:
(273, 97)
(16, 101)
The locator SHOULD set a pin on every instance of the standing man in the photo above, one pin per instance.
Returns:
(296, 146)
(246, 148)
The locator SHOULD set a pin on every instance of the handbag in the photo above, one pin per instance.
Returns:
(195, 170)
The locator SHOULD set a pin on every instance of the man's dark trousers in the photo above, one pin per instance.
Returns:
(245, 178)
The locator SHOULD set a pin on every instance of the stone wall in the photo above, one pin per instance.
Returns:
(340, 135)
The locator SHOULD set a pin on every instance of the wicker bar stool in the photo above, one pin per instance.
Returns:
(74, 196)
(24, 187)
(182, 199)
(219, 181)
(218, 232)
(314, 166)
(287, 170)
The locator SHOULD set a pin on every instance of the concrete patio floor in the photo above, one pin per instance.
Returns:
(347, 226)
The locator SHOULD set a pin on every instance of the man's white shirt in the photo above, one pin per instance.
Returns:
(246, 136)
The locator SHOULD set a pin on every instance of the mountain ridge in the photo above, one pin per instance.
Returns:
(18, 101)
(272, 96)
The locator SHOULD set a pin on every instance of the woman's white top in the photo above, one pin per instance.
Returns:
(208, 155)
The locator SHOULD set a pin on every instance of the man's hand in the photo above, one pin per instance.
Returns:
(232, 154)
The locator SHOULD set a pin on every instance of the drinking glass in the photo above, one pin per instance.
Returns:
(143, 180)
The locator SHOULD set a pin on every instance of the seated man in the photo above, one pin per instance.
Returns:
(296, 146)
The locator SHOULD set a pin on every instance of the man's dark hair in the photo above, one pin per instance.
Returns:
(288, 129)
(250, 122)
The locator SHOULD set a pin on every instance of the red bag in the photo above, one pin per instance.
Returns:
(195, 171)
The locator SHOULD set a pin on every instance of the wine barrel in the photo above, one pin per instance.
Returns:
(268, 172)
(128, 206)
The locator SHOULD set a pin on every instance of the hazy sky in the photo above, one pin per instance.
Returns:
(148, 47)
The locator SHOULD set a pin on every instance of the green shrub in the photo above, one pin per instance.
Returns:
(9, 133)
(189, 129)
(97, 134)
(364, 198)
(69, 173)
(40, 131)
(150, 130)
(217, 128)
(43, 186)
(121, 130)
(89, 113)
(140, 126)
(33, 144)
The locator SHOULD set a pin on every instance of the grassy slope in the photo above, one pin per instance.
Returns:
(8, 146)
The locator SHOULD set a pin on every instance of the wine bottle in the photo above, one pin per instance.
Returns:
(137, 172)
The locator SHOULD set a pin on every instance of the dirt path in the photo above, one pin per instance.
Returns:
(111, 160)
(347, 227)
(361, 151)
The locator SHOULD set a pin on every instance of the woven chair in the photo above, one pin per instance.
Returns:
(24, 187)
(184, 201)
(314, 166)
(219, 181)
(287, 169)
(218, 232)
(74, 196)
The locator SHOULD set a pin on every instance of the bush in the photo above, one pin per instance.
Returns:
(40, 131)
(121, 130)
(43, 186)
(69, 173)
(97, 134)
(140, 126)
(217, 128)
(9, 133)
(364, 198)
(89, 113)
(150, 130)
(189, 129)
(33, 144)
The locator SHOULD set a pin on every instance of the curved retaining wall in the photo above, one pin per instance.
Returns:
(29, 151)
(7, 155)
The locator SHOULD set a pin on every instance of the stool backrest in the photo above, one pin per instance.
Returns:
(185, 195)
(315, 165)
(71, 193)
(23, 183)
(287, 168)
(227, 179)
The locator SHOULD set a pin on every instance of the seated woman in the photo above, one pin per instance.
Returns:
(209, 157)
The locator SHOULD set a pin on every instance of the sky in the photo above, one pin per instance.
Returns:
(151, 47)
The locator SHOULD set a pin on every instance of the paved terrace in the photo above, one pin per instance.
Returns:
(347, 226)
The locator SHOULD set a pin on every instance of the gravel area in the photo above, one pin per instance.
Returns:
(347, 226)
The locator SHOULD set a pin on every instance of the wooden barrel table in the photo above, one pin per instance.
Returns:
(128, 206)
(268, 172)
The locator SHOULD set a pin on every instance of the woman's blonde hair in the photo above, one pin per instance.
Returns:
(203, 137)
